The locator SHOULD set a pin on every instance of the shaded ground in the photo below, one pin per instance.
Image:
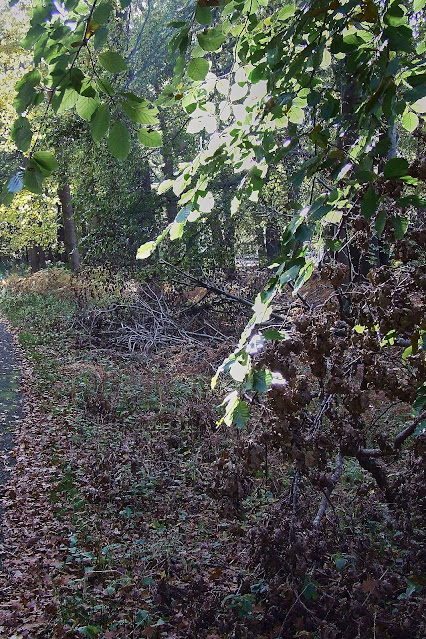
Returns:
(10, 409)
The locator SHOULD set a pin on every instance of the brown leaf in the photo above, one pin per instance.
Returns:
(369, 585)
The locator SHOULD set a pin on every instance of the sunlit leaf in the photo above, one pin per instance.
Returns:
(198, 68)
(112, 62)
(410, 121)
(45, 160)
(21, 133)
(212, 39)
(86, 107)
(150, 137)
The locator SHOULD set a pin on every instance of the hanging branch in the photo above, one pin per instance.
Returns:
(52, 91)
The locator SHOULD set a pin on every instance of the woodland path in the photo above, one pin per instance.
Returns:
(10, 405)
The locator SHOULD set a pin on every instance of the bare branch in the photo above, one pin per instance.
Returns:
(326, 499)
(219, 291)
(407, 432)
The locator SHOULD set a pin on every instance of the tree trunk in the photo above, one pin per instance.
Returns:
(70, 236)
(168, 170)
(272, 239)
(41, 257)
(34, 258)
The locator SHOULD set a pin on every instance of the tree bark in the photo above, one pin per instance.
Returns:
(34, 258)
(41, 257)
(70, 235)
(168, 170)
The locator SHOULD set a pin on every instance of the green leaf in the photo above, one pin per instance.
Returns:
(304, 275)
(176, 230)
(211, 40)
(407, 353)
(286, 12)
(119, 141)
(340, 563)
(399, 38)
(33, 179)
(410, 121)
(203, 15)
(178, 225)
(21, 133)
(32, 79)
(310, 590)
(112, 62)
(140, 112)
(420, 401)
(273, 334)
(100, 122)
(6, 197)
(360, 329)
(290, 274)
(66, 100)
(148, 248)
(198, 68)
(396, 168)
(104, 86)
(412, 200)
(296, 115)
(418, 5)
(369, 203)
(400, 225)
(150, 137)
(416, 79)
(46, 161)
(419, 106)
(33, 34)
(86, 107)
(165, 185)
(262, 380)
(240, 414)
(100, 38)
(380, 222)
(102, 13)
(25, 98)
(89, 631)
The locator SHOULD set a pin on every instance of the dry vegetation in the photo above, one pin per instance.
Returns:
(131, 514)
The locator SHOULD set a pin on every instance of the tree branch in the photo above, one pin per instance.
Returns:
(219, 291)
(407, 432)
(326, 499)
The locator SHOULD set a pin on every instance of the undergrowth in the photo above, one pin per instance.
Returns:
(178, 528)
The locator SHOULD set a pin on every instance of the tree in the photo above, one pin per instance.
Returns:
(312, 90)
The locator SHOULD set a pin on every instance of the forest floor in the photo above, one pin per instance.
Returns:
(10, 409)
(129, 513)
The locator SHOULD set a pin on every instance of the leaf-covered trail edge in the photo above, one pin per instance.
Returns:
(10, 409)
(76, 532)
(32, 533)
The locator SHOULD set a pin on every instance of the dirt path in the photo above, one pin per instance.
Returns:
(10, 406)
